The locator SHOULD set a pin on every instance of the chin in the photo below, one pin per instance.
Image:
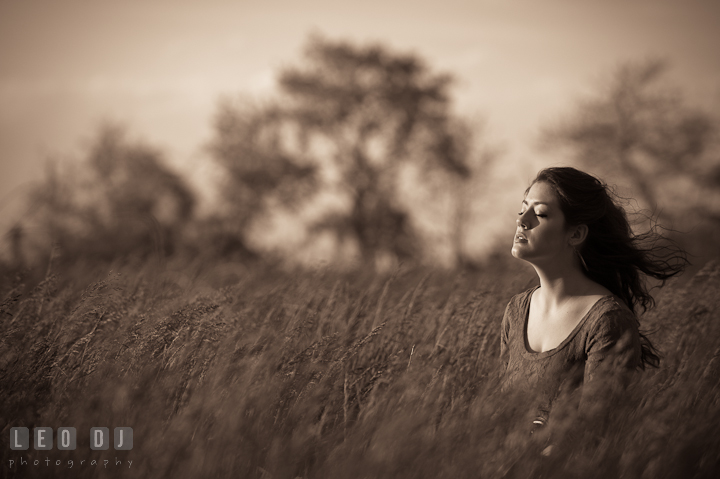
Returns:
(520, 253)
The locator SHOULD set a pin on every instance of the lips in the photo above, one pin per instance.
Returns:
(520, 238)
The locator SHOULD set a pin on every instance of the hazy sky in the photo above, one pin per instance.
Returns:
(159, 66)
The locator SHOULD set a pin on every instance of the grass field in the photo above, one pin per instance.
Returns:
(235, 372)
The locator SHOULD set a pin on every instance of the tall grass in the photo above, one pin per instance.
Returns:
(253, 373)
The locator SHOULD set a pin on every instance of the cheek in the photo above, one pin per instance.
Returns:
(555, 237)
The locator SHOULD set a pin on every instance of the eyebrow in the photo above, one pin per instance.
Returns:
(536, 202)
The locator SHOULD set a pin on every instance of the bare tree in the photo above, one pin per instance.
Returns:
(262, 169)
(348, 118)
(120, 200)
(641, 130)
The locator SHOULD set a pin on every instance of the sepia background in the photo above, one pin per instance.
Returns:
(533, 84)
(274, 237)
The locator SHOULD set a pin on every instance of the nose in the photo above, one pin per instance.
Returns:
(520, 222)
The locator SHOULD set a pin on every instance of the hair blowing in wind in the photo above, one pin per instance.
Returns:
(613, 255)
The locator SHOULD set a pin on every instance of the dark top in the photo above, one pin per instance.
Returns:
(606, 336)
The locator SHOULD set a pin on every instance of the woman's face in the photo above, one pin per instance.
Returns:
(541, 233)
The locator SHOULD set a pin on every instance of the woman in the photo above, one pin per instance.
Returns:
(580, 323)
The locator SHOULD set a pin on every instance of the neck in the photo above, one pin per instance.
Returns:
(560, 282)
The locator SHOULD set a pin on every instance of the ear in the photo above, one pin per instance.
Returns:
(578, 235)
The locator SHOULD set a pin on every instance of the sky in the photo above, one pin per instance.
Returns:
(159, 66)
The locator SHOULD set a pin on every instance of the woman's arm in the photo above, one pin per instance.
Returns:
(613, 352)
(504, 339)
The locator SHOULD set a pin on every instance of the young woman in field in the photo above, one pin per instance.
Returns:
(579, 326)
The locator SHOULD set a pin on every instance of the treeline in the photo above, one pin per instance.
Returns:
(360, 144)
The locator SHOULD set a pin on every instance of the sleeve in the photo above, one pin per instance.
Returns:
(613, 351)
(505, 337)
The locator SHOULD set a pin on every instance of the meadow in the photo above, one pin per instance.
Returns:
(235, 371)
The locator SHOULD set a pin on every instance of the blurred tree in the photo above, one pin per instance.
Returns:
(122, 200)
(262, 171)
(350, 119)
(642, 131)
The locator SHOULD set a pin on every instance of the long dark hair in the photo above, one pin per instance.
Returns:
(612, 254)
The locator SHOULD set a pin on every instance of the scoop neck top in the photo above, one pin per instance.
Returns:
(609, 329)
(532, 354)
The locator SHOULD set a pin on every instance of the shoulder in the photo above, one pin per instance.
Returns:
(522, 298)
(514, 311)
(611, 313)
(519, 301)
(610, 321)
